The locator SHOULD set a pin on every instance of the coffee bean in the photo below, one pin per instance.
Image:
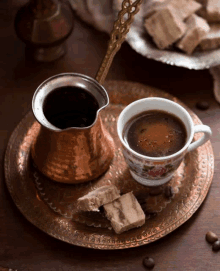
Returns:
(148, 263)
(203, 105)
(216, 246)
(168, 192)
(211, 237)
(156, 191)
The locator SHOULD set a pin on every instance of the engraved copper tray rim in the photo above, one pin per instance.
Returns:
(39, 214)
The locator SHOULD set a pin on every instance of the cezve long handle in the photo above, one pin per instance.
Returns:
(118, 34)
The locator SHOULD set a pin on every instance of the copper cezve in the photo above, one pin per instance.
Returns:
(71, 154)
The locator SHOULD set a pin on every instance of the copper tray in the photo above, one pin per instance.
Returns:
(51, 206)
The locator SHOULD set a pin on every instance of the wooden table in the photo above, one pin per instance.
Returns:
(25, 247)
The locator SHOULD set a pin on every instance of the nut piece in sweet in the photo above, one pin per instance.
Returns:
(124, 213)
(211, 237)
(96, 198)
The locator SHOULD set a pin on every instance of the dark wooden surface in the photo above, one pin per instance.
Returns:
(22, 245)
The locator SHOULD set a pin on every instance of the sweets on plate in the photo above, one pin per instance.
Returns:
(125, 213)
(176, 23)
(184, 8)
(197, 28)
(98, 197)
(165, 27)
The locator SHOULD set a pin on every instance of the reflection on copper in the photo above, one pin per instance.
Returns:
(24, 146)
(76, 154)
(37, 196)
(73, 156)
(57, 215)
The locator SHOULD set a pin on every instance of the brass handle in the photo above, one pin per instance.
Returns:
(118, 34)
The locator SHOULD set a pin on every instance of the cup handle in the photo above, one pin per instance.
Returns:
(207, 134)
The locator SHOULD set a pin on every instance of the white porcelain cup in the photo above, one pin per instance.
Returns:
(155, 171)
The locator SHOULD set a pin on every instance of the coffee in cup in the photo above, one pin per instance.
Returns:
(156, 134)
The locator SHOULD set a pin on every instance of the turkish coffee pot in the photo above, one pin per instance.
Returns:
(73, 146)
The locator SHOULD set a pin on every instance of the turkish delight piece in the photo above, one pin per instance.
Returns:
(207, 15)
(187, 8)
(125, 213)
(213, 9)
(96, 198)
(212, 38)
(197, 28)
(153, 7)
(165, 27)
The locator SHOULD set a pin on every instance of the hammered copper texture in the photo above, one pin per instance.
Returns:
(73, 156)
(51, 206)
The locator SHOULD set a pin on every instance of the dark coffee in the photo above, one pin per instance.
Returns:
(155, 133)
(70, 107)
